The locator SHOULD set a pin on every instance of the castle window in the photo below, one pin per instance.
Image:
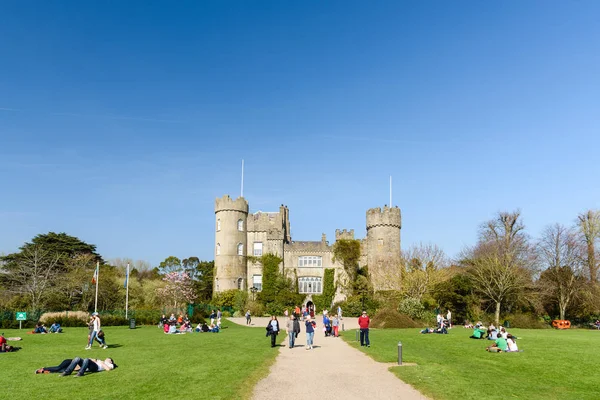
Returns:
(240, 249)
(218, 249)
(218, 225)
(240, 225)
(258, 249)
(379, 242)
(257, 282)
(309, 285)
(240, 281)
(310, 261)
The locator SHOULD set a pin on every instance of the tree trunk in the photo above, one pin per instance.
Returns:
(497, 313)
(562, 311)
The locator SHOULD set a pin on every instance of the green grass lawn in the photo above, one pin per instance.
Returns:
(151, 365)
(553, 365)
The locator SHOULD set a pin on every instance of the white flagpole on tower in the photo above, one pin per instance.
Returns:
(97, 279)
(127, 291)
(242, 177)
(390, 191)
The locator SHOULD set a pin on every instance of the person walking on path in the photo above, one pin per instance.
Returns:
(310, 332)
(289, 328)
(335, 323)
(363, 323)
(273, 329)
(248, 317)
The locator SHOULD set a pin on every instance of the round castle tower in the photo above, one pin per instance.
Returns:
(383, 244)
(230, 243)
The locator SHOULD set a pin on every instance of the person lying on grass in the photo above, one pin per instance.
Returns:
(82, 365)
(4, 347)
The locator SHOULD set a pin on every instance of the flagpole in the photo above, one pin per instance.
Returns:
(242, 195)
(97, 279)
(127, 292)
(390, 191)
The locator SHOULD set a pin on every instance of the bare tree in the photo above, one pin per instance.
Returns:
(424, 266)
(589, 228)
(33, 272)
(502, 262)
(559, 251)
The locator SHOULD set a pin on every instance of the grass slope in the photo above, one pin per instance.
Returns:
(553, 365)
(152, 365)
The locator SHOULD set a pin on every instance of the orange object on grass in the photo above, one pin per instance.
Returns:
(561, 324)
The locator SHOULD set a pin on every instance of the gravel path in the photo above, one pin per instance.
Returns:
(333, 368)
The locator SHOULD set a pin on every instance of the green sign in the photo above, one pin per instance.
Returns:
(21, 316)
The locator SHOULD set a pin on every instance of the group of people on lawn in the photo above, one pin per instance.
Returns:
(170, 325)
(503, 341)
(83, 365)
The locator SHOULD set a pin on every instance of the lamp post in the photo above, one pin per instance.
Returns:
(253, 290)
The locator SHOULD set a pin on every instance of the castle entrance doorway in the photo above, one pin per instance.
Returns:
(310, 306)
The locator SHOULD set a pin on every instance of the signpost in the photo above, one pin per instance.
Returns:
(21, 316)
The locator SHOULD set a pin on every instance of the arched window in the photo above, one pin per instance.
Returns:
(239, 283)
(218, 224)
(218, 250)
(240, 225)
(240, 249)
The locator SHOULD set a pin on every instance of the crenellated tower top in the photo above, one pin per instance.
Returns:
(387, 216)
(225, 203)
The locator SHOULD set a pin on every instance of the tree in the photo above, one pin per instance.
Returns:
(561, 282)
(589, 228)
(64, 246)
(169, 264)
(424, 266)
(347, 252)
(205, 271)
(32, 272)
(178, 289)
(501, 264)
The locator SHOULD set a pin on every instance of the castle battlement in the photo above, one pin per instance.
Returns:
(344, 234)
(225, 203)
(384, 217)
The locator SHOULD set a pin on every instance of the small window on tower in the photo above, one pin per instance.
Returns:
(258, 249)
(218, 224)
(218, 249)
(380, 242)
(240, 249)
(240, 225)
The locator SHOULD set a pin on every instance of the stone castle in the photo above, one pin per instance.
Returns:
(240, 234)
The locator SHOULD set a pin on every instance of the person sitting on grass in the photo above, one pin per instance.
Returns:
(173, 328)
(214, 328)
(427, 330)
(511, 343)
(478, 333)
(4, 347)
(40, 328)
(468, 325)
(492, 334)
(499, 346)
(186, 327)
(91, 365)
(55, 328)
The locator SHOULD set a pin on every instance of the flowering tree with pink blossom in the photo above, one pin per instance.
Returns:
(178, 289)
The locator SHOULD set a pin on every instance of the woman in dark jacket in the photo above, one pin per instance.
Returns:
(273, 329)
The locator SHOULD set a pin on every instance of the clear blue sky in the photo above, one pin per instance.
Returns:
(121, 122)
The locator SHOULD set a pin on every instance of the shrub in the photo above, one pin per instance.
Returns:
(238, 314)
(390, 318)
(526, 321)
(51, 317)
(256, 308)
(225, 314)
(412, 307)
(226, 298)
(352, 306)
